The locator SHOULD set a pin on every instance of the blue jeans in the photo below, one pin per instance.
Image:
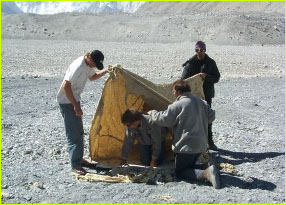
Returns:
(186, 168)
(74, 133)
(146, 154)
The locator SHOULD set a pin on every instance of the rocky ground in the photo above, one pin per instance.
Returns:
(249, 127)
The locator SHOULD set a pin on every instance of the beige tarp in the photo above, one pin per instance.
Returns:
(122, 90)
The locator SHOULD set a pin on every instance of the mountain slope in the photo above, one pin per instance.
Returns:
(214, 28)
(239, 27)
(183, 7)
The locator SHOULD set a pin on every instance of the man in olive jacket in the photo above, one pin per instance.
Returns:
(188, 118)
(201, 63)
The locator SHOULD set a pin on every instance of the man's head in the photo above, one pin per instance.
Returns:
(98, 58)
(180, 87)
(131, 118)
(200, 49)
(95, 59)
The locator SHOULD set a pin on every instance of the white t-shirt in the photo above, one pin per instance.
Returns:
(77, 74)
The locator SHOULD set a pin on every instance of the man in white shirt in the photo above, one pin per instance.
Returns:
(79, 71)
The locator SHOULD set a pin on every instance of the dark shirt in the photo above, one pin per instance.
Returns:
(194, 66)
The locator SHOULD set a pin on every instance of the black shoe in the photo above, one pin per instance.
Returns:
(85, 163)
(79, 171)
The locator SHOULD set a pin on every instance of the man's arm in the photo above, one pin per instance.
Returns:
(210, 112)
(189, 69)
(127, 145)
(186, 72)
(165, 118)
(214, 75)
(156, 138)
(98, 74)
(68, 91)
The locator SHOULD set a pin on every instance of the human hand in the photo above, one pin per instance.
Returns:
(78, 111)
(203, 75)
(105, 70)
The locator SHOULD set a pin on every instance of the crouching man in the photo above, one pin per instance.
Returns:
(188, 117)
(149, 135)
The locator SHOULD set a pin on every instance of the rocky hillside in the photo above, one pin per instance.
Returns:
(182, 7)
(165, 22)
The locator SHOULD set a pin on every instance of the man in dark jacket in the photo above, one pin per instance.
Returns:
(201, 63)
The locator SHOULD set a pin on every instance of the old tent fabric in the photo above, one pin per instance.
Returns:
(122, 90)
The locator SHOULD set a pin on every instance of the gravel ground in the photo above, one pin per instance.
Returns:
(249, 127)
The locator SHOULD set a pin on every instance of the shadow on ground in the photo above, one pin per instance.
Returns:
(229, 179)
(243, 157)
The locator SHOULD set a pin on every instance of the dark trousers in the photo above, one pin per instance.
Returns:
(186, 168)
(210, 133)
(146, 154)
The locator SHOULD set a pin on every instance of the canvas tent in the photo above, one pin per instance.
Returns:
(122, 90)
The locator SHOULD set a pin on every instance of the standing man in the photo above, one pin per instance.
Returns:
(68, 97)
(188, 117)
(201, 63)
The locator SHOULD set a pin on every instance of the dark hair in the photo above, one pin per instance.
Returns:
(131, 115)
(201, 44)
(181, 86)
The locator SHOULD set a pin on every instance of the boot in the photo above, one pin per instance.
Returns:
(211, 175)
